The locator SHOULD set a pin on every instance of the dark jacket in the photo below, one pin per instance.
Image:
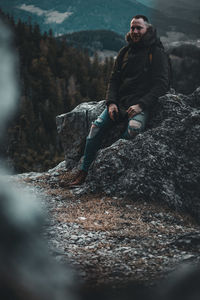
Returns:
(135, 79)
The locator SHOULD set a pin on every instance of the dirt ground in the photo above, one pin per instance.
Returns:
(110, 240)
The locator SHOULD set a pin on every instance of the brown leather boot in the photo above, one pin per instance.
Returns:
(80, 179)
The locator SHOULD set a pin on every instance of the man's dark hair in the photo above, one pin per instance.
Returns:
(141, 17)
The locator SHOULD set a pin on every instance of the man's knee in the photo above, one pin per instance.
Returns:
(94, 129)
(134, 127)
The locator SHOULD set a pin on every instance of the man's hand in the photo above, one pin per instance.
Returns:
(111, 109)
(134, 110)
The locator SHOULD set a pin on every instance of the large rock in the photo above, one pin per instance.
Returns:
(163, 163)
(73, 128)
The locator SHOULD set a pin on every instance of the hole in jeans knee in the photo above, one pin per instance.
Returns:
(134, 127)
(99, 120)
(93, 131)
(133, 124)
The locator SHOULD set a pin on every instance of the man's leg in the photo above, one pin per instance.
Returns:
(94, 138)
(93, 143)
(136, 125)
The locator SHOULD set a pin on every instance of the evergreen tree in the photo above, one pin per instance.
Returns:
(54, 78)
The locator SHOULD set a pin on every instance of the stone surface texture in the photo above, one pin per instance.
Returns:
(163, 163)
(111, 241)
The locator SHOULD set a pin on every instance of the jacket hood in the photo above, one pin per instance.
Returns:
(148, 39)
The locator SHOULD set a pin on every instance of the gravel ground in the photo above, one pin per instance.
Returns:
(109, 240)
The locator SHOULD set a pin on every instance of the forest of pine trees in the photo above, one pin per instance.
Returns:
(53, 77)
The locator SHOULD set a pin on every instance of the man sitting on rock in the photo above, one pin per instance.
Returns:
(140, 75)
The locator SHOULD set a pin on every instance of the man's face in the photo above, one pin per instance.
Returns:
(137, 29)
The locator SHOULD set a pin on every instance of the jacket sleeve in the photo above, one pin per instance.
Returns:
(114, 81)
(159, 79)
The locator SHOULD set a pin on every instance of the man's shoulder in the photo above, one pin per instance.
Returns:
(157, 51)
(121, 54)
(123, 50)
(157, 47)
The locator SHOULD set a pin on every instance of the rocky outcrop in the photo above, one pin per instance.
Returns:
(111, 242)
(185, 66)
(163, 163)
(73, 128)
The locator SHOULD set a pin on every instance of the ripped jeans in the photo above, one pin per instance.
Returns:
(136, 125)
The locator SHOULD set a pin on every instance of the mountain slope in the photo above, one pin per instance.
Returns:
(75, 15)
(95, 40)
(183, 9)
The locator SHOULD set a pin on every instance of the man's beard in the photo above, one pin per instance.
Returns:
(136, 38)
